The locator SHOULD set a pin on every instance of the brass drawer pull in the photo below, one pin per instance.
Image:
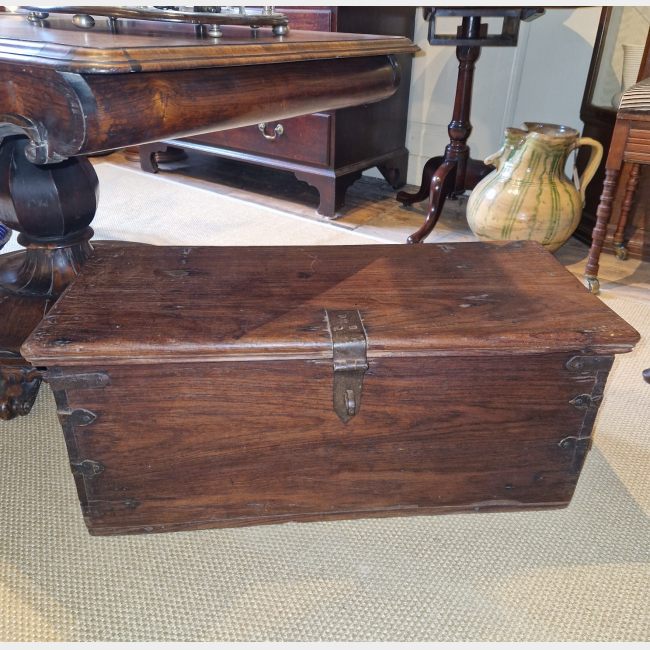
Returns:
(279, 130)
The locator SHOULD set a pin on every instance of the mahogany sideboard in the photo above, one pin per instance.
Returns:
(67, 92)
(330, 149)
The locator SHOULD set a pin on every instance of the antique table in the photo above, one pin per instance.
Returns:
(71, 89)
(449, 175)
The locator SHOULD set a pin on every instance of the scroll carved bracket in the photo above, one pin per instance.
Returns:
(39, 151)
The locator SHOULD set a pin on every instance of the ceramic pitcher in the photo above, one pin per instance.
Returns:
(529, 196)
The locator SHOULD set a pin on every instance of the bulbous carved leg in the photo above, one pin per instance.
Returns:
(51, 206)
(450, 175)
(18, 391)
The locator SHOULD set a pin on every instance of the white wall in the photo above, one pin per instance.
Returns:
(542, 79)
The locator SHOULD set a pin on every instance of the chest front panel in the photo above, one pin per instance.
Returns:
(181, 446)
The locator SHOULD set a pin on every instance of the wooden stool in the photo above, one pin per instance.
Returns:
(630, 142)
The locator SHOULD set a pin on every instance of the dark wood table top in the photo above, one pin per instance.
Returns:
(141, 46)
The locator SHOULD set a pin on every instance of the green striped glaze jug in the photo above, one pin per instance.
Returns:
(529, 196)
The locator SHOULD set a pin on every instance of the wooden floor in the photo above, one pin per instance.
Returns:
(371, 208)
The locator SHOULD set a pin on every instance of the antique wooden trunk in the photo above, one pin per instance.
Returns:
(207, 387)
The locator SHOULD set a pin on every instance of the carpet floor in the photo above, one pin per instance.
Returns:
(139, 207)
(578, 574)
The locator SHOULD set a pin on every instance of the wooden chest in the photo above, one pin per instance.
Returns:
(207, 387)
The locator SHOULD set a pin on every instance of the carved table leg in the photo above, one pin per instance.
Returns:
(52, 207)
(626, 207)
(441, 184)
(457, 151)
(603, 215)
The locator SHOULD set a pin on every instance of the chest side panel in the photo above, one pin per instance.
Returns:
(181, 446)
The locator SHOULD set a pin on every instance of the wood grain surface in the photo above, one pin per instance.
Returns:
(148, 304)
(195, 385)
(81, 114)
(147, 47)
(182, 446)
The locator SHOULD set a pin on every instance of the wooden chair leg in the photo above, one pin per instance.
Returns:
(603, 215)
(441, 185)
(626, 208)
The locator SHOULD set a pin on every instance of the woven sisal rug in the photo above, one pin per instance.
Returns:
(577, 574)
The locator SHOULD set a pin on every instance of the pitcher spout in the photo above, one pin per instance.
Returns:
(514, 139)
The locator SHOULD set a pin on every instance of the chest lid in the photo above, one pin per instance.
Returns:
(144, 304)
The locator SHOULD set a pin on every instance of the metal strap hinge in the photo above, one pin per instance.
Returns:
(349, 360)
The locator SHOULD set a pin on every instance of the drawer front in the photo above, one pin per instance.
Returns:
(303, 139)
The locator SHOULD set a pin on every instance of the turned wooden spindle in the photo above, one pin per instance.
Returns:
(603, 215)
(626, 208)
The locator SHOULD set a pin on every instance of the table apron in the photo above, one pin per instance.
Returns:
(100, 112)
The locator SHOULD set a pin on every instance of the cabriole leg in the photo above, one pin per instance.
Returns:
(430, 168)
(441, 185)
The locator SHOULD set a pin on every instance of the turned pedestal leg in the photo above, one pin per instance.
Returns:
(466, 172)
(603, 215)
(52, 207)
(626, 208)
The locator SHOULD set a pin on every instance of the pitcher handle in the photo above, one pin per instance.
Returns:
(592, 165)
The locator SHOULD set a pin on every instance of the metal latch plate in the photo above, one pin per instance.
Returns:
(349, 359)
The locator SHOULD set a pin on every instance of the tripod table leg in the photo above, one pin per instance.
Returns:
(441, 185)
